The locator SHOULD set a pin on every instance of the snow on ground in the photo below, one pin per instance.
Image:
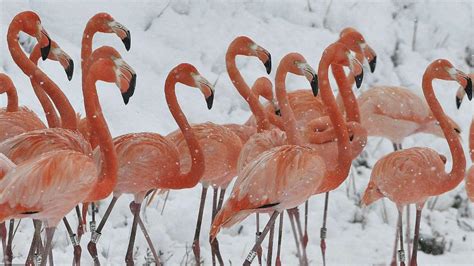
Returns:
(165, 33)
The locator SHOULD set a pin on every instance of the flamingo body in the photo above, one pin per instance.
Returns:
(293, 170)
(221, 149)
(32, 189)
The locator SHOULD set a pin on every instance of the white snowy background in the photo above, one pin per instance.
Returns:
(166, 33)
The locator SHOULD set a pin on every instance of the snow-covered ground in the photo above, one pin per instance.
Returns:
(165, 33)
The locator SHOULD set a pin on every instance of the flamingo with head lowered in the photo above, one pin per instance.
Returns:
(413, 175)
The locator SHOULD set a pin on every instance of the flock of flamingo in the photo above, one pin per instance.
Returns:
(297, 144)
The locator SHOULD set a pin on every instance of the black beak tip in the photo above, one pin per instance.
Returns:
(358, 79)
(127, 41)
(278, 112)
(45, 50)
(131, 90)
(458, 102)
(468, 88)
(70, 70)
(268, 65)
(351, 137)
(210, 101)
(315, 85)
(372, 64)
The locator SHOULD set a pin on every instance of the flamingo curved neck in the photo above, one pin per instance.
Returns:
(45, 101)
(86, 44)
(289, 121)
(453, 178)
(192, 177)
(68, 115)
(109, 167)
(343, 145)
(12, 105)
(244, 90)
(344, 83)
(471, 141)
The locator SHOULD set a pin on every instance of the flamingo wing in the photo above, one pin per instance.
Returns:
(281, 178)
(34, 143)
(47, 187)
(406, 176)
(14, 123)
(146, 161)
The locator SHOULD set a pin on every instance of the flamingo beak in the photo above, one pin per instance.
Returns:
(310, 75)
(372, 64)
(70, 69)
(122, 32)
(45, 42)
(459, 96)
(206, 88)
(210, 100)
(131, 89)
(276, 108)
(264, 56)
(356, 69)
(468, 88)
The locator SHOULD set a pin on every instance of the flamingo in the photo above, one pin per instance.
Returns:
(413, 175)
(470, 173)
(47, 187)
(150, 161)
(286, 176)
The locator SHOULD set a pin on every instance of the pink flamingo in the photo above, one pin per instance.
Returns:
(150, 161)
(257, 188)
(41, 188)
(394, 173)
(470, 173)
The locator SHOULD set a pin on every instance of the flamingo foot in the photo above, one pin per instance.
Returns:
(259, 249)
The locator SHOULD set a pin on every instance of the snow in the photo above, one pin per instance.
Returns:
(166, 33)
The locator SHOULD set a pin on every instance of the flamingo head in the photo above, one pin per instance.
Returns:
(295, 63)
(104, 22)
(57, 54)
(31, 25)
(460, 93)
(263, 87)
(443, 69)
(188, 75)
(243, 45)
(371, 194)
(344, 57)
(355, 42)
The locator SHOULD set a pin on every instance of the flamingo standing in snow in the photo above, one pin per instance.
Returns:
(150, 161)
(413, 175)
(286, 176)
(47, 187)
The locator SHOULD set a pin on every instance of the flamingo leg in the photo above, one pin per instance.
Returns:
(196, 247)
(401, 252)
(92, 222)
(413, 261)
(34, 243)
(395, 247)
(74, 242)
(48, 247)
(92, 245)
(215, 244)
(135, 209)
(221, 199)
(253, 252)
(407, 233)
(280, 235)
(296, 214)
(3, 235)
(9, 252)
(270, 245)
(80, 224)
(148, 240)
(295, 236)
(323, 229)
(305, 236)
(257, 235)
